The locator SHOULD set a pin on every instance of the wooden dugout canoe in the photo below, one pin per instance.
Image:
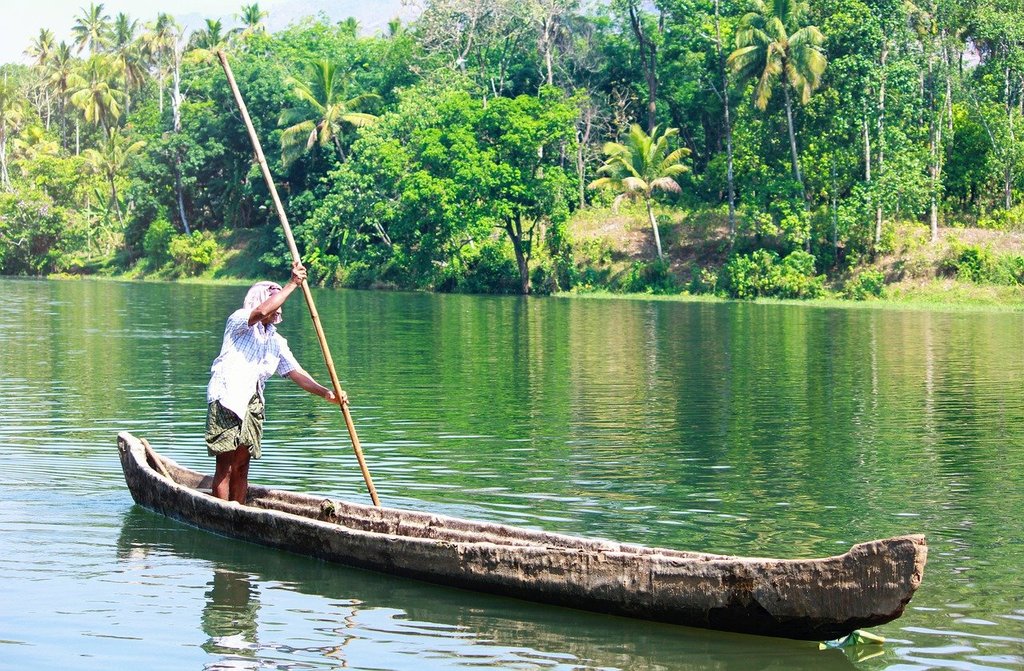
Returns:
(812, 599)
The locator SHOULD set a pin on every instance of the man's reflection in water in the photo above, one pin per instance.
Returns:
(229, 619)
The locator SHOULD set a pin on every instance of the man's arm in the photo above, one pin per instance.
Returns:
(302, 378)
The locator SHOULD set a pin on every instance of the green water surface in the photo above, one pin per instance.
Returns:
(746, 429)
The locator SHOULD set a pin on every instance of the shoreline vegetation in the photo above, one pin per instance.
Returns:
(854, 151)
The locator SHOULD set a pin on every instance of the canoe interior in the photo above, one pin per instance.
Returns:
(411, 524)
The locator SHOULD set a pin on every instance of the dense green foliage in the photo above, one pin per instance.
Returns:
(455, 152)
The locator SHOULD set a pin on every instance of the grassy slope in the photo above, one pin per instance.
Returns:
(911, 269)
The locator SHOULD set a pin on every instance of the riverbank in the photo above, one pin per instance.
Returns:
(613, 256)
(939, 296)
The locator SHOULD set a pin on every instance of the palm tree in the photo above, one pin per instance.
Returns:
(33, 143)
(349, 26)
(130, 59)
(771, 44)
(92, 28)
(110, 160)
(165, 44)
(12, 114)
(40, 50)
(95, 93)
(208, 38)
(252, 19)
(395, 28)
(158, 44)
(60, 72)
(323, 113)
(640, 167)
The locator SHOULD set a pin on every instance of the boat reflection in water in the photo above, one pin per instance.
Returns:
(267, 606)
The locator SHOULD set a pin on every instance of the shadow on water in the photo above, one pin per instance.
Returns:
(245, 577)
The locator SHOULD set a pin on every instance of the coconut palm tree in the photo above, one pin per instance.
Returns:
(641, 166)
(323, 111)
(164, 42)
(158, 46)
(131, 61)
(210, 37)
(60, 71)
(773, 44)
(12, 115)
(252, 19)
(92, 29)
(40, 50)
(110, 160)
(33, 143)
(94, 91)
(349, 26)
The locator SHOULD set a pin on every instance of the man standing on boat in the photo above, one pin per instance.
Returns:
(251, 353)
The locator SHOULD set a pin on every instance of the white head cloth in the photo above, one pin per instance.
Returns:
(260, 292)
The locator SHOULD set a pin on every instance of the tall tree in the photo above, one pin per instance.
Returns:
(252, 17)
(211, 37)
(641, 166)
(159, 43)
(126, 48)
(92, 29)
(60, 75)
(524, 189)
(12, 115)
(773, 44)
(323, 111)
(727, 119)
(647, 33)
(40, 50)
(550, 18)
(94, 91)
(110, 160)
(998, 33)
(483, 38)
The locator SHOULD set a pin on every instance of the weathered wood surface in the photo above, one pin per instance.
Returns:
(814, 599)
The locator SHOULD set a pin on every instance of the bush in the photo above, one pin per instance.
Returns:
(1011, 267)
(544, 278)
(750, 276)
(867, 284)
(357, 275)
(797, 278)
(649, 277)
(36, 236)
(194, 253)
(1004, 220)
(704, 280)
(761, 273)
(492, 271)
(157, 242)
(969, 262)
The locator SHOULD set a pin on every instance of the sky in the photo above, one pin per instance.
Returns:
(22, 19)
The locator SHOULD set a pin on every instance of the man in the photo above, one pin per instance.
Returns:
(251, 353)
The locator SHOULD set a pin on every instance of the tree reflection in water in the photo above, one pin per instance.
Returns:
(229, 616)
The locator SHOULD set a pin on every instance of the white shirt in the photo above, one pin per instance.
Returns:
(249, 356)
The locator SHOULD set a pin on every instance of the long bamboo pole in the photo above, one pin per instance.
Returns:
(305, 286)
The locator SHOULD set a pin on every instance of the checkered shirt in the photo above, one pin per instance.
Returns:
(249, 356)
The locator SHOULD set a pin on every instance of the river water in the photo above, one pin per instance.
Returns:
(748, 429)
